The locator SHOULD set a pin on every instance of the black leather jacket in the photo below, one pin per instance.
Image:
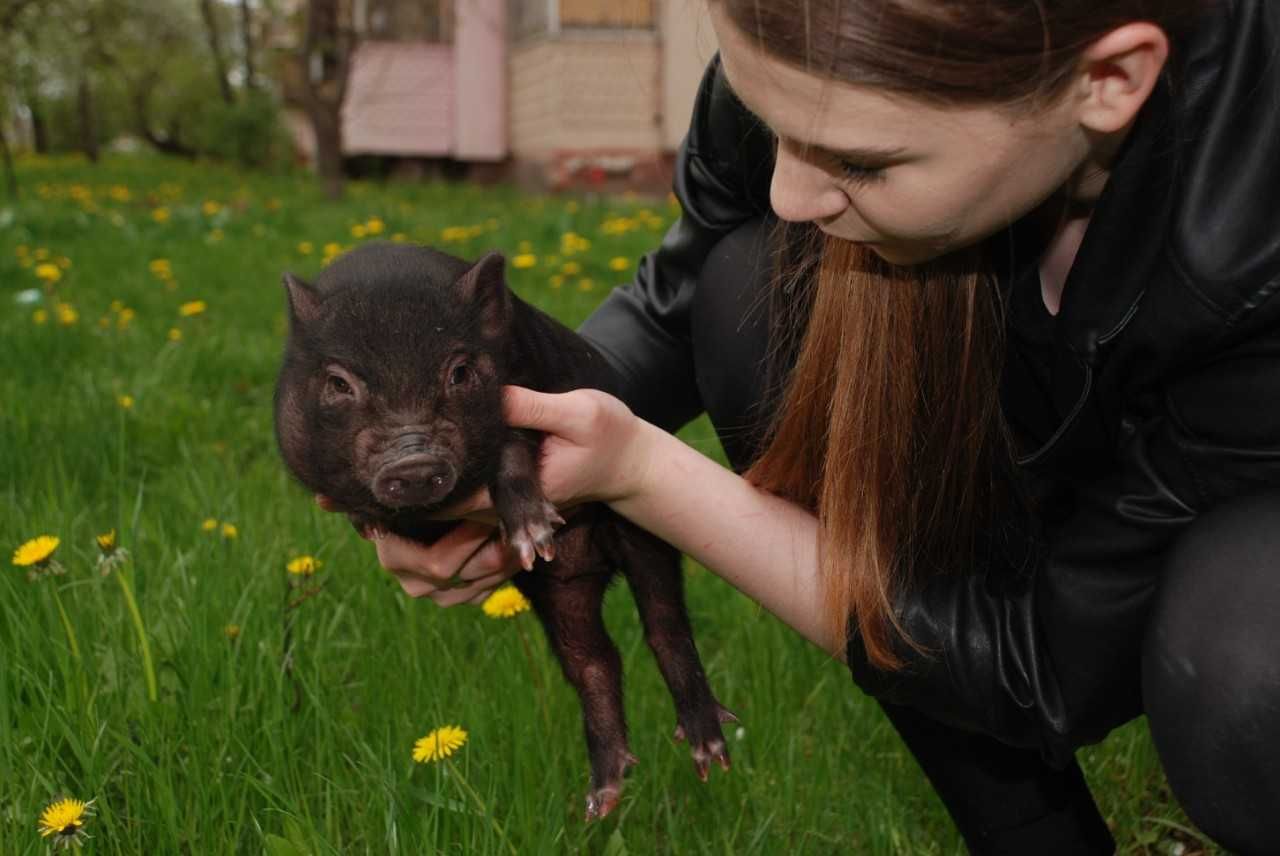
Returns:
(1165, 372)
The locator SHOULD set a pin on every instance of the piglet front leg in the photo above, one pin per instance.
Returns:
(526, 519)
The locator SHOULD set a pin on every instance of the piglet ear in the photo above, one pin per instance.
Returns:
(484, 289)
(304, 300)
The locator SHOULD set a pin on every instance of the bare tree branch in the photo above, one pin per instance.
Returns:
(215, 47)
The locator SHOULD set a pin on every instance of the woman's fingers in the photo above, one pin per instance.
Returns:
(474, 592)
(441, 561)
(563, 413)
(464, 566)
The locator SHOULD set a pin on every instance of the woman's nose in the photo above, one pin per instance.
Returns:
(801, 191)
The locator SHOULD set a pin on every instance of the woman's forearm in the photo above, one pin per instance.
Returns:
(764, 546)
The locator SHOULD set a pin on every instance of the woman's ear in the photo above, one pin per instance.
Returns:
(1117, 74)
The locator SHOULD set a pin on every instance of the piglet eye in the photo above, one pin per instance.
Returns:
(461, 374)
(339, 386)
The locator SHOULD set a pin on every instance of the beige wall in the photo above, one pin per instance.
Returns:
(688, 44)
(585, 91)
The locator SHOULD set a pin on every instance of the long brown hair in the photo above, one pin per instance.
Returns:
(888, 421)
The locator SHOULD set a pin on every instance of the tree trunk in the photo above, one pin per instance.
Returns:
(327, 125)
(88, 120)
(246, 36)
(171, 144)
(10, 177)
(215, 47)
(326, 64)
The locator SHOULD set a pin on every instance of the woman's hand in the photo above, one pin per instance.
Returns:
(595, 449)
(464, 566)
(592, 452)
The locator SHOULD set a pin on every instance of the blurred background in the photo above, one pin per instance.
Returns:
(553, 94)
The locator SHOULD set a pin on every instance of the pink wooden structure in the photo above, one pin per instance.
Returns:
(429, 99)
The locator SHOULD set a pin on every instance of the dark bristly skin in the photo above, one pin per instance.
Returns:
(389, 403)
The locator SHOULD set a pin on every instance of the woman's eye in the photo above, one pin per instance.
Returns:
(859, 174)
(339, 385)
(461, 374)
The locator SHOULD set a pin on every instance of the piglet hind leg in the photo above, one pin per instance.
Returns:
(526, 519)
(570, 611)
(653, 571)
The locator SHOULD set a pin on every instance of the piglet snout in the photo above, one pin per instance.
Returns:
(414, 479)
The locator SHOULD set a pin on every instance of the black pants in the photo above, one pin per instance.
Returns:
(1211, 658)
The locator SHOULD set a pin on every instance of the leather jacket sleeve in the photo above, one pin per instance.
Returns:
(722, 174)
(1041, 648)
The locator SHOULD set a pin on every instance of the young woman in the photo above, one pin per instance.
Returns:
(1019, 460)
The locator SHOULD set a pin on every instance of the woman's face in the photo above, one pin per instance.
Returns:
(909, 180)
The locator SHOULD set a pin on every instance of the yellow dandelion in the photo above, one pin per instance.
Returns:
(160, 215)
(110, 553)
(229, 530)
(175, 335)
(586, 284)
(619, 263)
(375, 226)
(36, 551)
(125, 401)
(556, 280)
(232, 631)
(211, 207)
(67, 314)
(49, 272)
(215, 236)
(40, 316)
(359, 230)
(42, 253)
(209, 525)
(524, 260)
(116, 305)
(192, 307)
(160, 267)
(440, 743)
(399, 237)
(303, 566)
(120, 193)
(332, 249)
(63, 262)
(306, 248)
(123, 317)
(505, 603)
(63, 822)
(571, 269)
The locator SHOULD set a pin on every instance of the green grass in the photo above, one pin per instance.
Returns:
(236, 753)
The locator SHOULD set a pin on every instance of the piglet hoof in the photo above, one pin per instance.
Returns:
(604, 798)
(534, 535)
(602, 801)
(704, 754)
(708, 745)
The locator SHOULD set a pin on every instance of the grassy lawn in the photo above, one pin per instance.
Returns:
(142, 323)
